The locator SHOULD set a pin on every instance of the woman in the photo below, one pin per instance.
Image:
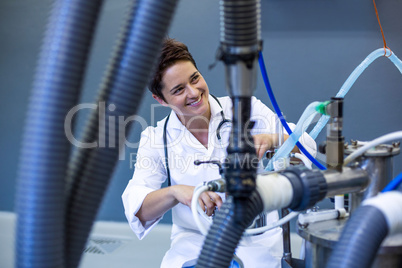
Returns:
(191, 134)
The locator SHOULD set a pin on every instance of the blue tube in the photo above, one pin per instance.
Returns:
(304, 121)
(393, 184)
(279, 112)
(352, 79)
(322, 122)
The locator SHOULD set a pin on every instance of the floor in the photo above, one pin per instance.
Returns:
(111, 244)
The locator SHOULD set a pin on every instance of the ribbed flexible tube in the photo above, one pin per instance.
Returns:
(352, 79)
(303, 123)
(90, 170)
(240, 22)
(229, 224)
(45, 148)
(360, 247)
(279, 112)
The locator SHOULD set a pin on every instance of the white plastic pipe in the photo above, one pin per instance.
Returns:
(275, 190)
(390, 203)
(196, 210)
(322, 215)
(397, 135)
(339, 201)
(272, 225)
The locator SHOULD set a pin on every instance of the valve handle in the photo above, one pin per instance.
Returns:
(216, 162)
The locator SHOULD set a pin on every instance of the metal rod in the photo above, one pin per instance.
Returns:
(348, 181)
(287, 252)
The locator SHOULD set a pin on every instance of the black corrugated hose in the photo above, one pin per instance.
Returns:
(360, 239)
(240, 35)
(227, 229)
(90, 170)
(240, 23)
(45, 148)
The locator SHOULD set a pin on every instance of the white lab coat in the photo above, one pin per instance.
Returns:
(263, 250)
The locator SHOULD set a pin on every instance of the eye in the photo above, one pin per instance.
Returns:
(178, 90)
(195, 78)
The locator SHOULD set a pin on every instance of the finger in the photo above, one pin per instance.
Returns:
(201, 203)
(216, 199)
(261, 150)
(208, 203)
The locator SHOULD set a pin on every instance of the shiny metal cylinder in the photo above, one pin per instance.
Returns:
(350, 180)
(335, 153)
(369, 175)
(378, 163)
(321, 238)
(380, 171)
(240, 79)
(335, 139)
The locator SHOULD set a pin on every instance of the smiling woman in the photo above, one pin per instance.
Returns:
(186, 92)
(189, 133)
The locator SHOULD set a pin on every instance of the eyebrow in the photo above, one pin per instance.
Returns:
(179, 85)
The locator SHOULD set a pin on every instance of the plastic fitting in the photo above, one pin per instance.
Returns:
(309, 187)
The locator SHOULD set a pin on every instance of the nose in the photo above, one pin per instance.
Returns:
(192, 92)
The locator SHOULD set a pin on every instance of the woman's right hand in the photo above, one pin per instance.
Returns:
(208, 200)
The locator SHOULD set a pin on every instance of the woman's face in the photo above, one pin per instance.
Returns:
(185, 91)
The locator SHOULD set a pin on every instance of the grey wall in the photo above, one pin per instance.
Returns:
(310, 48)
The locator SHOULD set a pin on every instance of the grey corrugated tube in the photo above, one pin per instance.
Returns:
(225, 233)
(45, 148)
(360, 239)
(90, 169)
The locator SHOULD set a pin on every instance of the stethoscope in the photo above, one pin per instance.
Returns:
(218, 135)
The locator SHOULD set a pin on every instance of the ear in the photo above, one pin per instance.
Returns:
(158, 99)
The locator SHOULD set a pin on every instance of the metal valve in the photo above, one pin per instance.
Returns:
(215, 162)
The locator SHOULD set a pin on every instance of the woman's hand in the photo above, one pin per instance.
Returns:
(264, 142)
(208, 200)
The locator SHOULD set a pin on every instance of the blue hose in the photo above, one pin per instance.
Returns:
(304, 121)
(393, 184)
(352, 79)
(279, 112)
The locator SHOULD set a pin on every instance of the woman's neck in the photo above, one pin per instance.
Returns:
(196, 122)
(198, 126)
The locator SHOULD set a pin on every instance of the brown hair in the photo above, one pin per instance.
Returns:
(172, 51)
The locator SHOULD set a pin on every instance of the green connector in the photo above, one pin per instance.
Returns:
(321, 108)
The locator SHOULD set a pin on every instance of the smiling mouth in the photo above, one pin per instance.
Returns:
(195, 102)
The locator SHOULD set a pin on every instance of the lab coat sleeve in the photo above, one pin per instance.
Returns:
(149, 174)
